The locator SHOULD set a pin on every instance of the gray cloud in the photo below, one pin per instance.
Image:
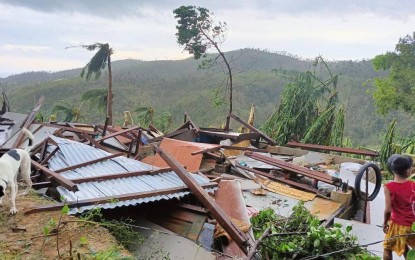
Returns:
(115, 9)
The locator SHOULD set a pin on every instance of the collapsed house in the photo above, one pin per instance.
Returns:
(194, 184)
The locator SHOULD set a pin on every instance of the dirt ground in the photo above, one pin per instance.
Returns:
(23, 236)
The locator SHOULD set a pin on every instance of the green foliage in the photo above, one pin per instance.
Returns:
(320, 131)
(145, 115)
(122, 230)
(49, 227)
(337, 131)
(69, 111)
(396, 91)
(307, 110)
(306, 236)
(97, 98)
(388, 148)
(196, 31)
(178, 87)
(99, 60)
(65, 210)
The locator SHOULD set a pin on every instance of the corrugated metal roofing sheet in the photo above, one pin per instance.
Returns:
(73, 153)
(182, 152)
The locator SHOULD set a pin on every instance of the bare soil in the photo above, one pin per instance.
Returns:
(23, 236)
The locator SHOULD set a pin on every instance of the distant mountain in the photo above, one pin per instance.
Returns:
(178, 86)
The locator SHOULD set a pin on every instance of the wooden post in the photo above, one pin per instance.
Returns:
(240, 238)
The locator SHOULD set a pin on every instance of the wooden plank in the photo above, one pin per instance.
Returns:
(70, 129)
(296, 169)
(241, 239)
(192, 123)
(110, 199)
(232, 148)
(283, 180)
(334, 149)
(51, 174)
(117, 133)
(94, 143)
(28, 122)
(120, 175)
(89, 162)
(253, 129)
(44, 161)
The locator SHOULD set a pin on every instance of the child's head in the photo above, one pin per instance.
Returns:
(401, 165)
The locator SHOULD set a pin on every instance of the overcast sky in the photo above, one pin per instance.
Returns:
(34, 33)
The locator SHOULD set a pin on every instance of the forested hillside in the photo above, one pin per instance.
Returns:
(178, 86)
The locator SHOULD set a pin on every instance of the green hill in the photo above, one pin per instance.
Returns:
(178, 86)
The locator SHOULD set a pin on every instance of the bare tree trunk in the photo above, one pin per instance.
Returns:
(230, 85)
(110, 93)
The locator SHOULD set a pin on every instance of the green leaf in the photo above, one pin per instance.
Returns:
(83, 241)
(46, 230)
(411, 255)
(317, 243)
(349, 228)
(65, 210)
(413, 227)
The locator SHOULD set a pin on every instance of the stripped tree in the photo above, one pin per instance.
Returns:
(197, 32)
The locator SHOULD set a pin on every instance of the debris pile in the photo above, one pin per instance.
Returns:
(193, 186)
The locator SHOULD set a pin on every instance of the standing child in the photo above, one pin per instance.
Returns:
(399, 207)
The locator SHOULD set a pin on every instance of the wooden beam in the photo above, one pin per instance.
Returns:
(53, 175)
(111, 199)
(70, 129)
(279, 179)
(231, 148)
(193, 124)
(240, 238)
(95, 143)
(49, 156)
(28, 122)
(253, 129)
(117, 133)
(334, 149)
(89, 162)
(120, 175)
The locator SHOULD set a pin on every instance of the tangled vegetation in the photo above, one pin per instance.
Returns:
(308, 110)
(301, 235)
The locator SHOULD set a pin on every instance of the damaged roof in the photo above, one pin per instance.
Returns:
(73, 153)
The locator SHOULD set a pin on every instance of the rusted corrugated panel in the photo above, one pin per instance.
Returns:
(229, 197)
(182, 152)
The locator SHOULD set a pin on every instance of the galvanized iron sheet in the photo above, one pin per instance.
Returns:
(73, 153)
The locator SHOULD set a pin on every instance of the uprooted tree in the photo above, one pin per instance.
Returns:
(198, 33)
(309, 110)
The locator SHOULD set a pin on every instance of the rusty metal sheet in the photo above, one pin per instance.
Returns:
(229, 197)
(120, 138)
(181, 151)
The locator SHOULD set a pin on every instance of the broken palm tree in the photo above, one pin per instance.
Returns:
(308, 105)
